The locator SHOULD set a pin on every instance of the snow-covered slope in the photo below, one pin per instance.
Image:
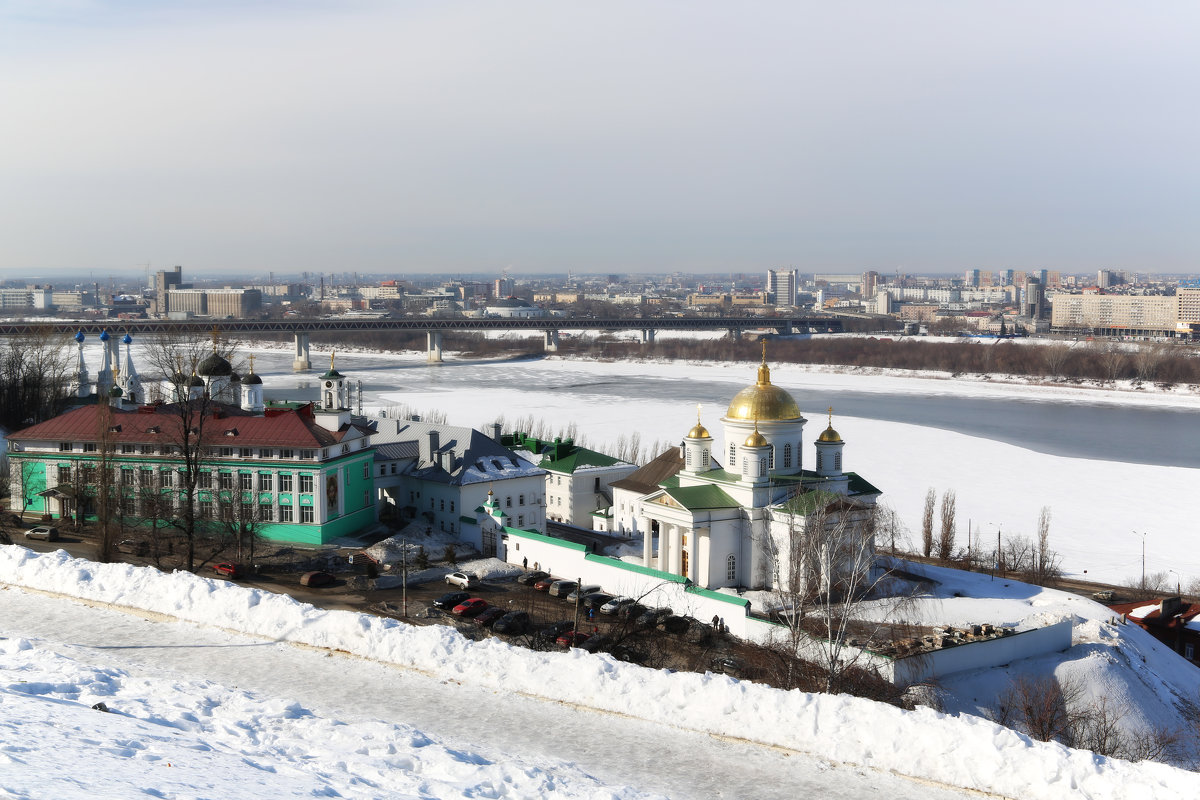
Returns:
(958, 751)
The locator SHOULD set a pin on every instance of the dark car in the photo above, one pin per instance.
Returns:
(728, 665)
(469, 607)
(450, 600)
(631, 611)
(596, 600)
(545, 583)
(597, 644)
(572, 639)
(652, 617)
(316, 578)
(562, 588)
(488, 617)
(530, 578)
(514, 622)
(552, 632)
(228, 569)
(674, 623)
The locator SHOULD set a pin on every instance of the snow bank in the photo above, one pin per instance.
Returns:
(959, 751)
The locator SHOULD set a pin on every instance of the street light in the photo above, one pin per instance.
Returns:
(1143, 535)
(1178, 582)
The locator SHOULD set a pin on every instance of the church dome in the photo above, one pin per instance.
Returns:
(214, 365)
(252, 379)
(763, 401)
(756, 439)
(829, 435)
(196, 380)
(698, 431)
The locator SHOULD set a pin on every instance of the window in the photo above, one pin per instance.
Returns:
(127, 476)
(264, 452)
(731, 568)
(837, 462)
(367, 471)
(145, 477)
(520, 520)
(442, 506)
(787, 455)
(596, 485)
(265, 481)
(129, 505)
(147, 505)
(64, 474)
(128, 448)
(245, 481)
(246, 452)
(146, 449)
(167, 477)
(89, 473)
(306, 514)
(65, 447)
(1189, 651)
(285, 513)
(451, 506)
(762, 466)
(247, 512)
(704, 458)
(732, 455)
(226, 452)
(683, 540)
(559, 480)
(306, 484)
(89, 447)
(266, 512)
(205, 509)
(508, 502)
(687, 453)
(771, 455)
(308, 455)
(745, 466)
(287, 452)
(393, 467)
(225, 480)
(820, 461)
(520, 500)
(285, 483)
(345, 448)
(382, 470)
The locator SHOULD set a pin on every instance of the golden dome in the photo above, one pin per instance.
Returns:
(756, 439)
(698, 431)
(763, 400)
(829, 435)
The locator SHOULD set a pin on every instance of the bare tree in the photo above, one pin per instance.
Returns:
(946, 538)
(1056, 357)
(1046, 563)
(1147, 360)
(927, 523)
(34, 373)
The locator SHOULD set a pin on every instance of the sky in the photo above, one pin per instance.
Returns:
(625, 136)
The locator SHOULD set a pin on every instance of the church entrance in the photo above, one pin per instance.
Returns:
(489, 544)
(683, 563)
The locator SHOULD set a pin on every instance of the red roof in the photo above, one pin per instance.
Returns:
(224, 425)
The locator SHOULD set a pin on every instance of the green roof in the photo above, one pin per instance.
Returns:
(860, 485)
(579, 457)
(638, 568)
(541, 537)
(722, 596)
(698, 498)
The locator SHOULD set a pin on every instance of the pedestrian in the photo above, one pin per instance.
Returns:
(716, 622)
(525, 562)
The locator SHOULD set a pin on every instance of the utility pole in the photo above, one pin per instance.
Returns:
(1143, 535)
(578, 600)
(404, 584)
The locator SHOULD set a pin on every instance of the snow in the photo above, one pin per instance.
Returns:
(229, 736)
(1142, 611)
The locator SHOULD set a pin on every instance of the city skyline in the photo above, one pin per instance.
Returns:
(927, 138)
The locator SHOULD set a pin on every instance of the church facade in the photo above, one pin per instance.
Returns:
(749, 514)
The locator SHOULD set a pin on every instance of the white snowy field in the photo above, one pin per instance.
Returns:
(260, 726)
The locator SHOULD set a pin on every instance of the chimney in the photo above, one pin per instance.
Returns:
(496, 428)
(429, 446)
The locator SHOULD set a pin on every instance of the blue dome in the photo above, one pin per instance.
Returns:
(79, 336)
(104, 337)
(127, 340)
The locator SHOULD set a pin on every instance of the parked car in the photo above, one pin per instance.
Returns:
(228, 569)
(489, 616)
(583, 591)
(615, 605)
(596, 600)
(545, 583)
(673, 623)
(450, 599)
(514, 622)
(631, 611)
(530, 578)
(316, 578)
(596, 644)
(572, 639)
(469, 607)
(462, 580)
(562, 588)
(728, 665)
(42, 532)
(553, 631)
(652, 617)
(1104, 595)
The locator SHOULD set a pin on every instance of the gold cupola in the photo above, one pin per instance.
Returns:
(756, 439)
(764, 400)
(698, 431)
(829, 435)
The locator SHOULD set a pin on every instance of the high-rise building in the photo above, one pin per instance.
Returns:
(971, 278)
(781, 286)
(164, 282)
(870, 283)
(1034, 306)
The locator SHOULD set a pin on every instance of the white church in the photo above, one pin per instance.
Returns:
(753, 522)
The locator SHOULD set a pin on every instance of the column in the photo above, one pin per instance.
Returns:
(647, 542)
(676, 550)
(664, 547)
(301, 362)
(434, 347)
(648, 335)
(550, 341)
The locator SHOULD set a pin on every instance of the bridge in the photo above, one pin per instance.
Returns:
(433, 327)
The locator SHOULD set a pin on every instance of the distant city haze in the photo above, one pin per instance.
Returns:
(542, 137)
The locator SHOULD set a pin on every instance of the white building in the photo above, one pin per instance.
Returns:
(578, 480)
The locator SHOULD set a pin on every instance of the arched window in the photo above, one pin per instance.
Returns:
(837, 461)
(745, 466)
(704, 458)
(732, 455)
(731, 568)
(762, 466)
(687, 456)
(787, 455)
(772, 456)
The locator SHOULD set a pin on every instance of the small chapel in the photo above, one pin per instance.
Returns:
(747, 513)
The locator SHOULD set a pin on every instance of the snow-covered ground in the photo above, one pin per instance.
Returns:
(200, 710)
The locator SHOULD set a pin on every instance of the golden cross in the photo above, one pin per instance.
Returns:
(697, 413)
(216, 334)
(831, 416)
(252, 363)
(764, 350)
(331, 355)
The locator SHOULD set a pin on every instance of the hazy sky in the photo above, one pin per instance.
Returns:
(605, 136)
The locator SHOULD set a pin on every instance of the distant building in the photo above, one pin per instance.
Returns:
(164, 282)
(782, 286)
(1170, 620)
(1113, 314)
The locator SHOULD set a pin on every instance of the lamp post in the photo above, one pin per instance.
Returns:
(1143, 535)
(1178, 583)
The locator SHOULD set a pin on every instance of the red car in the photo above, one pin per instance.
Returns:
(573, 638)
(545, 583)
(469, 608)
(488, 616)
(228, 569)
